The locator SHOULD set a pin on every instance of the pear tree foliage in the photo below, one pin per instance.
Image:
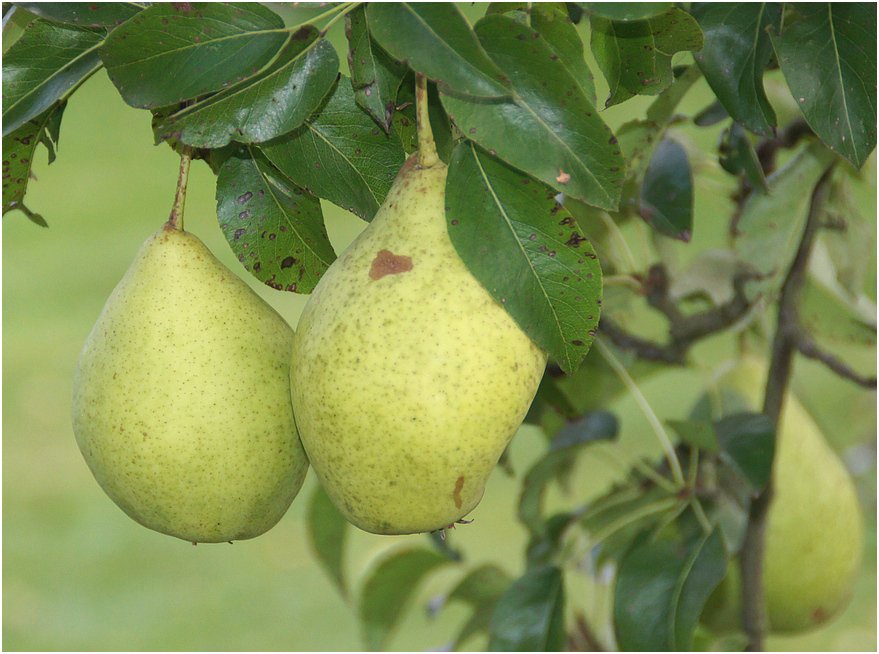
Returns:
(581, 224)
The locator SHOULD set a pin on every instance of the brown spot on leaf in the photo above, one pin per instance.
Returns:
(575, 240)
(457, 494)
(388, 263)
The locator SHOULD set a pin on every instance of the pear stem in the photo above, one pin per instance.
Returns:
(427, 155)
(175, 220)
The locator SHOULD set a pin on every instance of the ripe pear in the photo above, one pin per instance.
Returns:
(815, 528)
(181, 397)
(408, 378)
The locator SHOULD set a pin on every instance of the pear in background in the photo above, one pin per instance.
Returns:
(181, 397)
(815, 528)
(409, 379)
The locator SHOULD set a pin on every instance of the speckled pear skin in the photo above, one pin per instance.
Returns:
(815, 528)
(408, 379)
(181, 398)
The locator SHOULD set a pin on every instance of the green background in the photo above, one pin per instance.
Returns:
(79, 575)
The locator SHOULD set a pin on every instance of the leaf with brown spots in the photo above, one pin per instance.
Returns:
(521, 245)
(19, 148)
(274, 227)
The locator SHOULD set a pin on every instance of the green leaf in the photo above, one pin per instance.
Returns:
(661, 587)
(44, 66)
(748, 439)
(828, 58)
(327, 531)
(264, 106)
(436, 40)
(626, 10)
(551, 21)
(827, 311)
(518, 243)
(596, 426)
(390, 583)
(481, 589)
(275, 228)
(560, 137)
(18, 157)
(171, 52)
(636, 56)
(738, 156)
(84, 14)
(667, 192)
(736, 51)
(340, 154)
(771, 224)
(697, 433)
(375, 75)
(530, 615)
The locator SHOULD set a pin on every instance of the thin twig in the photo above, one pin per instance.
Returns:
(175, 220)
(809, 348)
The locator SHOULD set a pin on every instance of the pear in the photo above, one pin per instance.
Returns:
(181, 397)
(815, 529)
(408, 378)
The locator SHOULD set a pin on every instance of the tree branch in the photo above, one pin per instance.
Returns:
(784, 345)
(684, 331)
(809, 348)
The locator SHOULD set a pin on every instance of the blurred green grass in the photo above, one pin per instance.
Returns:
(79, 575)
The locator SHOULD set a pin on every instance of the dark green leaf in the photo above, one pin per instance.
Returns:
(390, 583)
(519, 244)
(436, 40)
(340, 154)
(376, 76)
(639, 138)
(749, 440)
(171, 52)
(711, 115)
(829, 61)
(44, 66)
(18, 157)
(667, 192)
(530, 615)
(626, 10)
(264, 106)
(635, 56)
(84, 14)
(771, 224)
(274, 227)
(697, 433)
(327, 531)
(661, 587)
(736, 51)
(593, 427)
(560, 137)
(738, 156)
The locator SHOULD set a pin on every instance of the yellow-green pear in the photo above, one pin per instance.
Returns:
(815, 530)
(181, 397)
(409, 379)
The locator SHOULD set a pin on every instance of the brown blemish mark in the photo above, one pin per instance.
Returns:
(388, 263)
(457, 494)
